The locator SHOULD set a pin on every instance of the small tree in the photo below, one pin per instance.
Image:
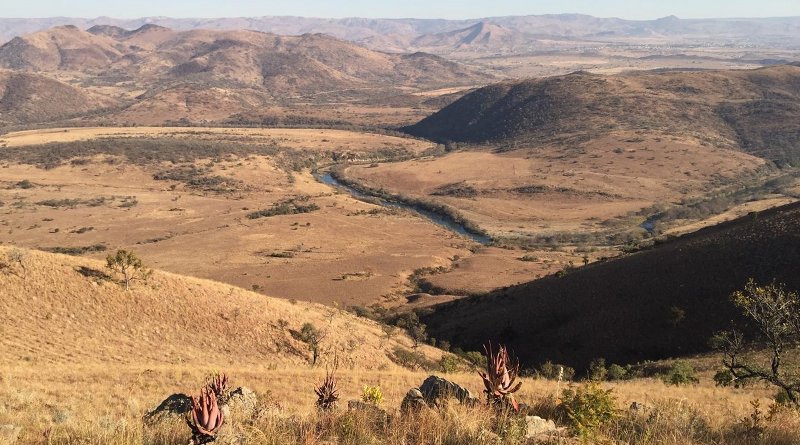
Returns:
(775, 313)
(414, 327)
(310, 335)
(129, 266)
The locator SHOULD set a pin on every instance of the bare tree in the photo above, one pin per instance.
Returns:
(775, 314)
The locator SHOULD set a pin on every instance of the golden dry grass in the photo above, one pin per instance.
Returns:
(312, 139)
(582, 186)
(82, 360)
(193, 232)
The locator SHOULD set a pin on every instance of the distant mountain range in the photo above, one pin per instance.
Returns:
(151, 70)
(441, 36)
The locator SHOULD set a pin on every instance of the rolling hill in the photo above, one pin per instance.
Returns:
(754, 111)
(156, 74)
(658, 303)
(280, 65)
(63, 310)
(30, 98)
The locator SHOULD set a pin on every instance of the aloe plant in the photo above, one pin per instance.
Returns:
(205, 417)
(501, 373)
(327, 393)
(218, 384)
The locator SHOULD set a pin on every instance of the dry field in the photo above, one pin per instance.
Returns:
(347, 251)
(310, 139)
(546, 190)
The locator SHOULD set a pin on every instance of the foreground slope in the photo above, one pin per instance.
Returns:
(658, 303)
(755, 111)
(61, 311)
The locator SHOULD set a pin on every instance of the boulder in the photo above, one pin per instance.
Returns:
(240, 404)
(9, 434)
(413, 401)
(436, 389)
(536, 427)
(173, 406)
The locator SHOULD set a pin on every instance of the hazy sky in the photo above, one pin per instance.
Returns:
(629, 9)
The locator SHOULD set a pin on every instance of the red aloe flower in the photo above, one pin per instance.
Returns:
(218, 384)
(500, 375)
(207, 418)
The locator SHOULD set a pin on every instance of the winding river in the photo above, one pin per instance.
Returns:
(436, 218)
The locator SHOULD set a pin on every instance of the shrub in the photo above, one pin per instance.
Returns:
(616, 372)
(412, 360)
(449, 363)
(597, 369)
(290, 207)
(554, 371)
(588, 408)
(681, 373)
(372, 395)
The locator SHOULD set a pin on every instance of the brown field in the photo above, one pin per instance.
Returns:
(310, 139)
(547, 190)
(348, 251)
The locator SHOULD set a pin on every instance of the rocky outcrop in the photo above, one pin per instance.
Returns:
(436, 390)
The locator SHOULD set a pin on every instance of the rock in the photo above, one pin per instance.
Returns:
(173, 406)
(240, 404)
(375, 413)
(536, 426)
(9, 434)
(413, 401)
(436, 389)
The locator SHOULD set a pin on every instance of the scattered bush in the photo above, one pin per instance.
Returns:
(616, 372)
(597, 370)
(588, 408)
(372, 395)
(449, 363)
(681, 373)
(554, 371)
(289, 207)
(77, 251)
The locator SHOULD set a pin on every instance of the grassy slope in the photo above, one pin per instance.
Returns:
(622, 309)
(55, 316)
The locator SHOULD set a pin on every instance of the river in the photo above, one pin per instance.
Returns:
(436, 218)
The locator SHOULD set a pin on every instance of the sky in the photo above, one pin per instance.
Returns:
(450, 9)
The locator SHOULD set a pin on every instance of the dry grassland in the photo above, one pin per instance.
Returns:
(546, 190)
(348, 251)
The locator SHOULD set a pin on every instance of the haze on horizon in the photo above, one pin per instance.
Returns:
(446, 9)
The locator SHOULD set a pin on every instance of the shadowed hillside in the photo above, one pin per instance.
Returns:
(659, 303)
(755, 111)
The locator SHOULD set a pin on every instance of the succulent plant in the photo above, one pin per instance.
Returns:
(501, 373)
(327, 393)
(205, 417)
(218, 384)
